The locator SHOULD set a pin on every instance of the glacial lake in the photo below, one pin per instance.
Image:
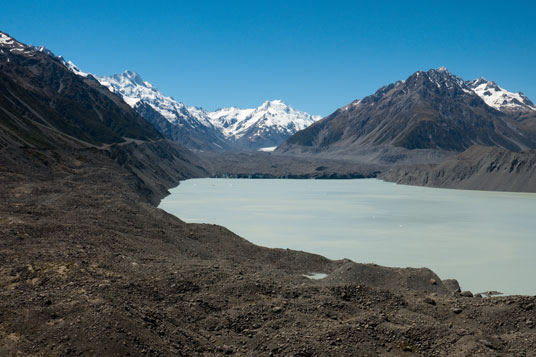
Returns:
(485, 240)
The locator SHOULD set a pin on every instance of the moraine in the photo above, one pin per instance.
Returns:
(484, 239)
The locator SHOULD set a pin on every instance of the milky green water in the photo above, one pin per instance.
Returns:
(486, 240)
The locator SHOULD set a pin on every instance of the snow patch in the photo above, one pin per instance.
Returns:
(74, 68)
(6, 40)
(268, 149)
(499, 98)
(315, 276)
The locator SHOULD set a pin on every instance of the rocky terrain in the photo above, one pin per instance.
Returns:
(478, 168)
(90, 266)
(267, 165)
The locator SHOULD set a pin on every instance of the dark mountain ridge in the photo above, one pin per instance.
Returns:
(433, 110)
(49, 116)
(37, 93)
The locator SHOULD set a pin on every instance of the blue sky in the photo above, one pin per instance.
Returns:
(315, 55)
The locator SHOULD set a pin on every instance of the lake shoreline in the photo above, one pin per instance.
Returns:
(491, 263)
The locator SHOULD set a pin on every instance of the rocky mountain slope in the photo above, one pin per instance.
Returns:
(49, 113)
(425, 118)
(223, 129)
(478, 168)
(186, 125)
(38, 94)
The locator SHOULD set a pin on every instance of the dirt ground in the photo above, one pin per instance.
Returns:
(89, 267)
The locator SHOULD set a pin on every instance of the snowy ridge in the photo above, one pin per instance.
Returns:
(491, 93)
(271, 123)
(30, 51)
(272, 117)
(275, 114)
(70, 65)
(13, 46)
(74, 68)
(499, 98)
(5, 40)
(134, 90)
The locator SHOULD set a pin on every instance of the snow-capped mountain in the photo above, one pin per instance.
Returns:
(187, 125)
(45, 105)
(265, 126)
(492, 94)
(134, 89)
(274, 121)
(499, 98)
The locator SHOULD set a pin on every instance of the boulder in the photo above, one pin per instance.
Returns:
(466, 293)
(452, 285)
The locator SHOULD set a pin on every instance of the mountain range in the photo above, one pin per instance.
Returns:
(433, 116)
(45, 105)
(231, 128)
(227, 128)
(54, 122)
(425, 118)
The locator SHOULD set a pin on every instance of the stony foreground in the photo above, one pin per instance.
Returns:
(87, 267)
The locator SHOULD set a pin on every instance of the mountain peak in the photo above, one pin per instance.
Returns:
(273, 103)
(432, 110)
(440, 78)
(441, 72)
(45, 50)
(264, 126)
(130, 76)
